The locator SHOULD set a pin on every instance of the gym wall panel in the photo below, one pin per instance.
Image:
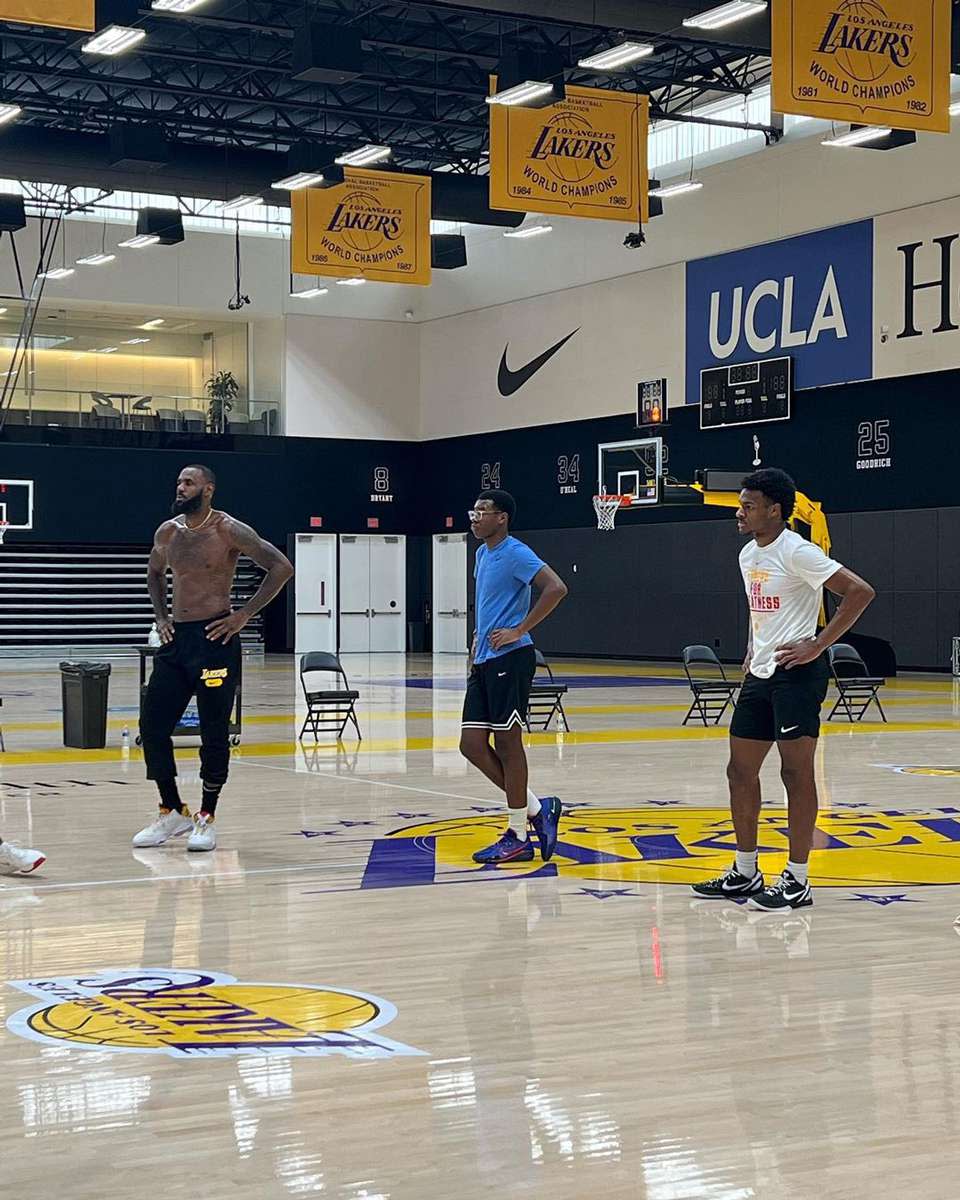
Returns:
(917, 290)
(915, 538)
(352, 379)
(948, 550)
(948, 624)
(915, 628)
(623, 331)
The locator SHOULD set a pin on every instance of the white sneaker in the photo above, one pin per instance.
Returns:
(203, 836)
(168, 824)
(15, 860)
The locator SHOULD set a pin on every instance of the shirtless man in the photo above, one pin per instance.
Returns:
(200, 652)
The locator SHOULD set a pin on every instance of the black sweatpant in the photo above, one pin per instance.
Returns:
(190, 665)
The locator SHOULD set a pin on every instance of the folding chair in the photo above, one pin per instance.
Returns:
(713, 692)
(332, 709)
(546, 700)
(856, 690)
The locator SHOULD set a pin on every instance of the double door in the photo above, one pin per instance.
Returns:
(373, 587)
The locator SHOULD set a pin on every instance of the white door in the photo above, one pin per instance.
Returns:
(373, 588)
(388, 590)
(449, 593)
(315, 593)
(354, 594)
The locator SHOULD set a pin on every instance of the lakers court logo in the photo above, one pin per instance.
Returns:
(192, 1014)
(854, 847)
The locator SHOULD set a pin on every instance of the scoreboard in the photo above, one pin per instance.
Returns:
(746, 393)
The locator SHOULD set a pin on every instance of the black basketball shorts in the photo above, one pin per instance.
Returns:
(498, 691)
(784, 707)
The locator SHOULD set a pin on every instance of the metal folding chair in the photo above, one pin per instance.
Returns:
(329, 709)
(546, 700)
(713, 692)
(856, 690)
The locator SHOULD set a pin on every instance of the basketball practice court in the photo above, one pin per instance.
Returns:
(338, 1000)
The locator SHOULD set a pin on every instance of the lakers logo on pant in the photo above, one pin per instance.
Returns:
(193, 1014)
(212, 678)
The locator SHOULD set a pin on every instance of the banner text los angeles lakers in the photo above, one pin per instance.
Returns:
(870, 62)
(583, 157)
(375, 225)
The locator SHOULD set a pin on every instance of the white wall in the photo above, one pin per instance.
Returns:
(352, 379)
(628, 329)
(929, 238)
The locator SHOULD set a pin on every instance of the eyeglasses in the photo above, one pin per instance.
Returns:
(474, 514)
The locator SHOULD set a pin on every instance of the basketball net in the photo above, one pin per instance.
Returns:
(606, 509)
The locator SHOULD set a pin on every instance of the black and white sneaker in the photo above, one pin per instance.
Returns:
(730, 886)
(787, 893)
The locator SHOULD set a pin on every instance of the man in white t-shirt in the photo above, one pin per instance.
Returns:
(785, 685)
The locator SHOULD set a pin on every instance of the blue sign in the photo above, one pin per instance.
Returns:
(810, 297)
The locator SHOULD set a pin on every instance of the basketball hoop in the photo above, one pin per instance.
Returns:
(606, 509)
(4, 526)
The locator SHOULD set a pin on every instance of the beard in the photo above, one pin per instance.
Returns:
(179, 507)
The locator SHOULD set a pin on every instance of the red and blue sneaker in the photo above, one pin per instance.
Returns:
(547, 825)
(509, 848)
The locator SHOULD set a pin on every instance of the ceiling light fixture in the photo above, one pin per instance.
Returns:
(136, 341)
(176, 6)
(302, 179)
(858, 136)
(364, 157)
(107, 350)
(113, 40)
(96, 260)
(677, 189)
(529, 232)
(521, 93)
(56, 273)
(726, 14)
(154, 324)
(350, 282)
(240, 202)
(140, 240)
(308, 293)
(9, 112)
(617, 57)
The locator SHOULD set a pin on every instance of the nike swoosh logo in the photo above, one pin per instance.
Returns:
(509, 381)
(790, 730)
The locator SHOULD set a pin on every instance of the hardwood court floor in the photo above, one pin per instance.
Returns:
(339, 1002)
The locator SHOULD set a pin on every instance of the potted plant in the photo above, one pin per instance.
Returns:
(222, 389)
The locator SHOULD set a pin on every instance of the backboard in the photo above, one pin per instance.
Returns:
(16, 503)
(633, 468)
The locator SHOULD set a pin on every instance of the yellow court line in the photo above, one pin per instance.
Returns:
(592, 737)
(374, 715)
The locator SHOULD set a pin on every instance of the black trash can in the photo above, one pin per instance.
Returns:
(85, 686)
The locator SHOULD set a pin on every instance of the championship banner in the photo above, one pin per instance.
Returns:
(62, 14)
(375, 225)
(870, 62)
(583, 157)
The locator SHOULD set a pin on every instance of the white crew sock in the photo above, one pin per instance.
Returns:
(518, 822)
(747, 863)
(533, 803)
(798, 871)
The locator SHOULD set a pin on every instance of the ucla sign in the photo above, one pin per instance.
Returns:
(810, 297)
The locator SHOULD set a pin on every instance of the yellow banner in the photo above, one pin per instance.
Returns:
(870, 62)
(583, 157)
(63, 14)
(376, 224)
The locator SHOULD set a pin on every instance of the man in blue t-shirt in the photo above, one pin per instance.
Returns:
(502, 664)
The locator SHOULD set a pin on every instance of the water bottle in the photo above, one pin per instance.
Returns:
(153, 638)
(125, 742)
